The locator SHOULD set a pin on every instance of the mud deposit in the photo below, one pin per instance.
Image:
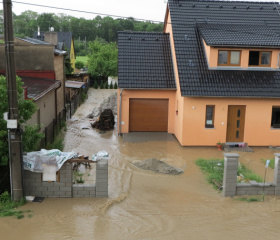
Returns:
(158, 166)
(144, 204)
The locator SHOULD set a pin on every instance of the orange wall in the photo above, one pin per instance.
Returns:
(153, 94)
(212, 55)
(179, 101)
(257, 132)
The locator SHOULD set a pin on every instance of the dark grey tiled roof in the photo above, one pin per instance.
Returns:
(63, 37)
(145, 61)
(34, 41)
(219, 34)
(195, 77)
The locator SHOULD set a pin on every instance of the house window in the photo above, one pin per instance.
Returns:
(229, 58)
(259, 59)
(275, 118)
(209, 120)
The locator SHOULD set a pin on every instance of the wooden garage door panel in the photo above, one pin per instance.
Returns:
(148, 115)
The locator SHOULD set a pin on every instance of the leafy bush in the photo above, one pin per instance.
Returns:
(106, 85)
(95, 86)
(31, 138)
(115, 85)
(101, 85)
(111, 85)
(79, 64)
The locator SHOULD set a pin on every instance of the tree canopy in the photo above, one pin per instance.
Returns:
(26, 23)
(26, 110)
(103, 59)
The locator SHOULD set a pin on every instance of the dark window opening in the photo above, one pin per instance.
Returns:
(209, 120)
(275, 119)
(254, 57)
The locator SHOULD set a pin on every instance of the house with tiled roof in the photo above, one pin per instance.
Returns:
(212, 75)
(61, 40)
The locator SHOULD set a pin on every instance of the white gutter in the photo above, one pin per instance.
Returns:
(120, 114)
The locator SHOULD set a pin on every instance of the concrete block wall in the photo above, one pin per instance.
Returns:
(232, 188)
(83, 191)
(33, 185)
(102, 178)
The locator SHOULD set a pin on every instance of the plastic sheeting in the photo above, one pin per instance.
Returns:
(35, 161)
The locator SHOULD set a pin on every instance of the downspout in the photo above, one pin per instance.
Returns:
(278, 60)
(120, 114)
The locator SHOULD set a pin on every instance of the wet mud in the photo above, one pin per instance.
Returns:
(144, 204)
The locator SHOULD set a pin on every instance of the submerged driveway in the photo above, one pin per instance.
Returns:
(144, 204)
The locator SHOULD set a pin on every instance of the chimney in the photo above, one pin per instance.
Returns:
(51, 37)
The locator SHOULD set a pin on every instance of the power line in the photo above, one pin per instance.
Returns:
(87, 12)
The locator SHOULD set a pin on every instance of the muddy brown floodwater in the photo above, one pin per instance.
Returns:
(143, 204)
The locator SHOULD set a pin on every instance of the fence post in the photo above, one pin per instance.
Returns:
(277, 173)
(230, 174)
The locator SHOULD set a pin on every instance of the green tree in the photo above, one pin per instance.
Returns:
(47, 20)
(26, 110)
(79, 64)
(103, 59)
(68, 66)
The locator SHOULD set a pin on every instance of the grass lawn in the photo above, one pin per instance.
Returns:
(271, 163)
(9, 208)
(214, 171)
(83, 59)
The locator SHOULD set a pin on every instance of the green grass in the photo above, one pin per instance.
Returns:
(250, 199)
(9, 208)
(271, 164)
(83, 59)
(214, 170)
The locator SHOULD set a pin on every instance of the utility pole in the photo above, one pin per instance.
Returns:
(14, 133)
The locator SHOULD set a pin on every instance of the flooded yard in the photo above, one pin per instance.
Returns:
(144, 204)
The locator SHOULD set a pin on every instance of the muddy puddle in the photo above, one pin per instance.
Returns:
(144, 204)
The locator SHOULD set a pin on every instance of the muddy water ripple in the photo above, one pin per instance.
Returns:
(143, 204)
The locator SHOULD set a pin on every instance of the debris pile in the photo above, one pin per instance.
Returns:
(158, 166)
(106, 121)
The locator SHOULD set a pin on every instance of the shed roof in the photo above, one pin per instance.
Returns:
(38, 87)
(195, 77)
(145, 61)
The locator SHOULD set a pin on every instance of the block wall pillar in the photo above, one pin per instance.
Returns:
(230, 174)
(102, 178)
(277, 173)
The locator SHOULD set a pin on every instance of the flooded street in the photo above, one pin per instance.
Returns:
(144, 204)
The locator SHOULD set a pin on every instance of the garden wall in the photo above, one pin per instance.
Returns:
(232, 188)
(64, 188)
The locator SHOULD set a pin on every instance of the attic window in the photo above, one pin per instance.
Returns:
(259, 59)
(229, 58)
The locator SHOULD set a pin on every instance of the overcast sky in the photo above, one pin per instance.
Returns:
(141, 9)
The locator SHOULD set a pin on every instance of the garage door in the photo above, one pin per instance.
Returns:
(148, 115)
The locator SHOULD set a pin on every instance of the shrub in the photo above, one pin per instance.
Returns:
(79, 65)
(106, 85)
(95, 86)
(111, 85)
(101, 85)
(115, 85)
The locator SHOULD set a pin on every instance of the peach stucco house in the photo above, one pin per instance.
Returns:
(212, 75)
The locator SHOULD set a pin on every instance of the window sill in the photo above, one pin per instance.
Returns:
(210, 128)
(272, 128)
